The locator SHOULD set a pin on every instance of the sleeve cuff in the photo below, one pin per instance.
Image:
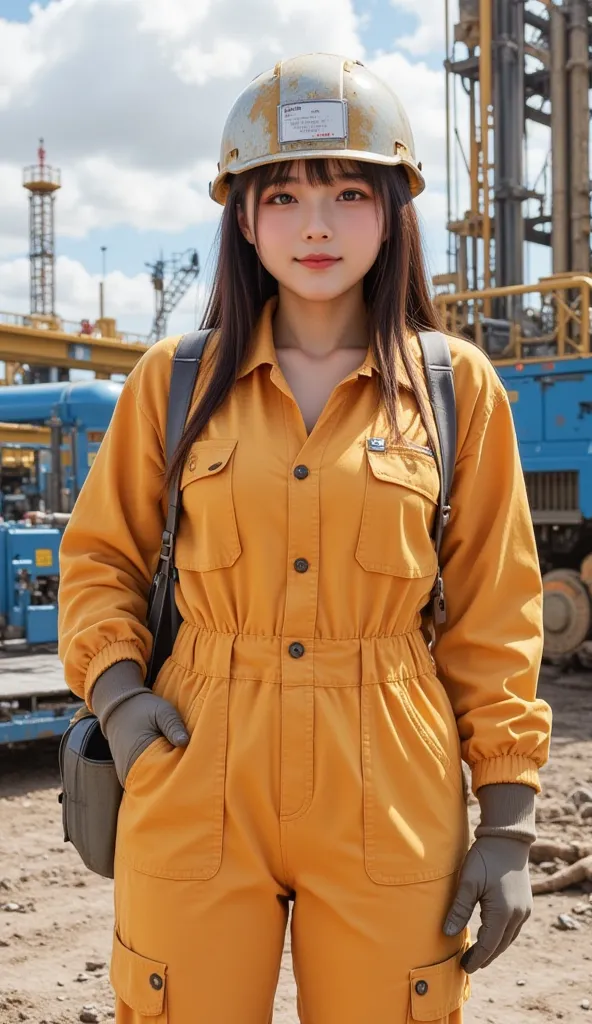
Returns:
(507, 768)
(110, 654)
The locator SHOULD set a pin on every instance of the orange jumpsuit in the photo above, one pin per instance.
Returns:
(324, 763)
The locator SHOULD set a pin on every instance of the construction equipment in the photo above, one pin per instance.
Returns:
(525, 64)
(77, 415)
(171, 279)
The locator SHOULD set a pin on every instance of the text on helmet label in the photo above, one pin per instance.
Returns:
(312, 119)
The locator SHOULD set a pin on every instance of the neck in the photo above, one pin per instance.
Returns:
(320, 328)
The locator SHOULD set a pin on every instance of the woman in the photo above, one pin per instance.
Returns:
(302, 743)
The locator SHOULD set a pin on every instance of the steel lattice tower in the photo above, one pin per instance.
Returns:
(42, 183)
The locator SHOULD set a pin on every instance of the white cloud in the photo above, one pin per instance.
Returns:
(429, 36)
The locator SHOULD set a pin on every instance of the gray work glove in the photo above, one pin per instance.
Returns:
(131, 716)
(495, 874)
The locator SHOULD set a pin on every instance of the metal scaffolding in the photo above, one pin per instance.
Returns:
(42, 183)
(519, 63)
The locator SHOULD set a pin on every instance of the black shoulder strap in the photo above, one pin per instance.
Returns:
(440, 382)
(162, 615)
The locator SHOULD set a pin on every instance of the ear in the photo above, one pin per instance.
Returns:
(244, 225)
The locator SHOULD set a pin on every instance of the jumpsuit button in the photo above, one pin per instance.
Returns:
(296, 650)
(216, 465)
(301, 472)
(156, 981)
(421, 987)
(301, 565)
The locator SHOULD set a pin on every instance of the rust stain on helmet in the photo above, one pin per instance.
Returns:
(360, 127)
(263, 113)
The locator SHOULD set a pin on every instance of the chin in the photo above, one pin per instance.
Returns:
(323, 293)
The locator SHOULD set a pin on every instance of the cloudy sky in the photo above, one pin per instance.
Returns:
(130, 97)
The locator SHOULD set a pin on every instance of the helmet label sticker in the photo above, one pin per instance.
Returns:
(312, 119)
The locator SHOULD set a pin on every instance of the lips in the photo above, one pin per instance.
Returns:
(318, 261)
(320, 257)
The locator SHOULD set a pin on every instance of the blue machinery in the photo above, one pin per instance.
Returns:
(29, 566)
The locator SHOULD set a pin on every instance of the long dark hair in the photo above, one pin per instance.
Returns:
(396, 291)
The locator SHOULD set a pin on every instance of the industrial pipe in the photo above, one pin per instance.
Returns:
(85, 404)
(559, 146)
(485, 91)
(579, 129)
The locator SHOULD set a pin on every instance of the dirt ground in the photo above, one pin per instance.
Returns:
(54, 948)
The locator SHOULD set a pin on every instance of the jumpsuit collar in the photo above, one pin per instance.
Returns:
(263, 351)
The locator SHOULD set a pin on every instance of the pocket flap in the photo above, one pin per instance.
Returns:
(206, 458)
(438, 990)
(139, 982)
(409, 467)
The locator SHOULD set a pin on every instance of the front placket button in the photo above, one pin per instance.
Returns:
(296, 650)
(301, 565)
(301, 472)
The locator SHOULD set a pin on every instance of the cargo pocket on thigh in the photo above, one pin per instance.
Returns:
(171, 820)
(140, 984)
(437, 992)
(415, 817)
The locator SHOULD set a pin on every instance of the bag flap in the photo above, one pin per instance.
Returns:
(415, 468)
(206, 458)
(438, 990)
(139, 982)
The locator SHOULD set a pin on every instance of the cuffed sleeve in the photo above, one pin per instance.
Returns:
(110, 547)
(488, 653)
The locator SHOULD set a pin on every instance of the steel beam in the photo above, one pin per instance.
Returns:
(57, 348)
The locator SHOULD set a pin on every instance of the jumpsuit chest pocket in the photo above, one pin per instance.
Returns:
(402, 487)
(207, 536)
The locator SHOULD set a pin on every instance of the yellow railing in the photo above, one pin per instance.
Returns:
(102, 329)
(559, 317)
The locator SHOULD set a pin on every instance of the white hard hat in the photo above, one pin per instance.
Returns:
(316, 105)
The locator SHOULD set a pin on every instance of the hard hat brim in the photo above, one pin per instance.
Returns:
(219, 188)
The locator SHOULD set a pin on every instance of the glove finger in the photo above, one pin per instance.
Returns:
(489, 936)
(171, 724)
(510, 935)
(463, 906)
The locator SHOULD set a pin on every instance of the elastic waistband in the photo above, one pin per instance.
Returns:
(351, 662)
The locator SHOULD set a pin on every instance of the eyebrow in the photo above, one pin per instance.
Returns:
(338, 177)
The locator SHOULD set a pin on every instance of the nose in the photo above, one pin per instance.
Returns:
(315, 224)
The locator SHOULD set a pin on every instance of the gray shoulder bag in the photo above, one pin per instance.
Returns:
(91, 792)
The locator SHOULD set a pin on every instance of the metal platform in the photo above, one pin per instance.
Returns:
(35, 702)
(31, 675)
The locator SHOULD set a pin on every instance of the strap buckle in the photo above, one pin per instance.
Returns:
(166, 555)
(439, 600)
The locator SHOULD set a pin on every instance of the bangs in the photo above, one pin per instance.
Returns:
(319, 171)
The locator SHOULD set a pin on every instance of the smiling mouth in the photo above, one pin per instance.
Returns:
(322, 260)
